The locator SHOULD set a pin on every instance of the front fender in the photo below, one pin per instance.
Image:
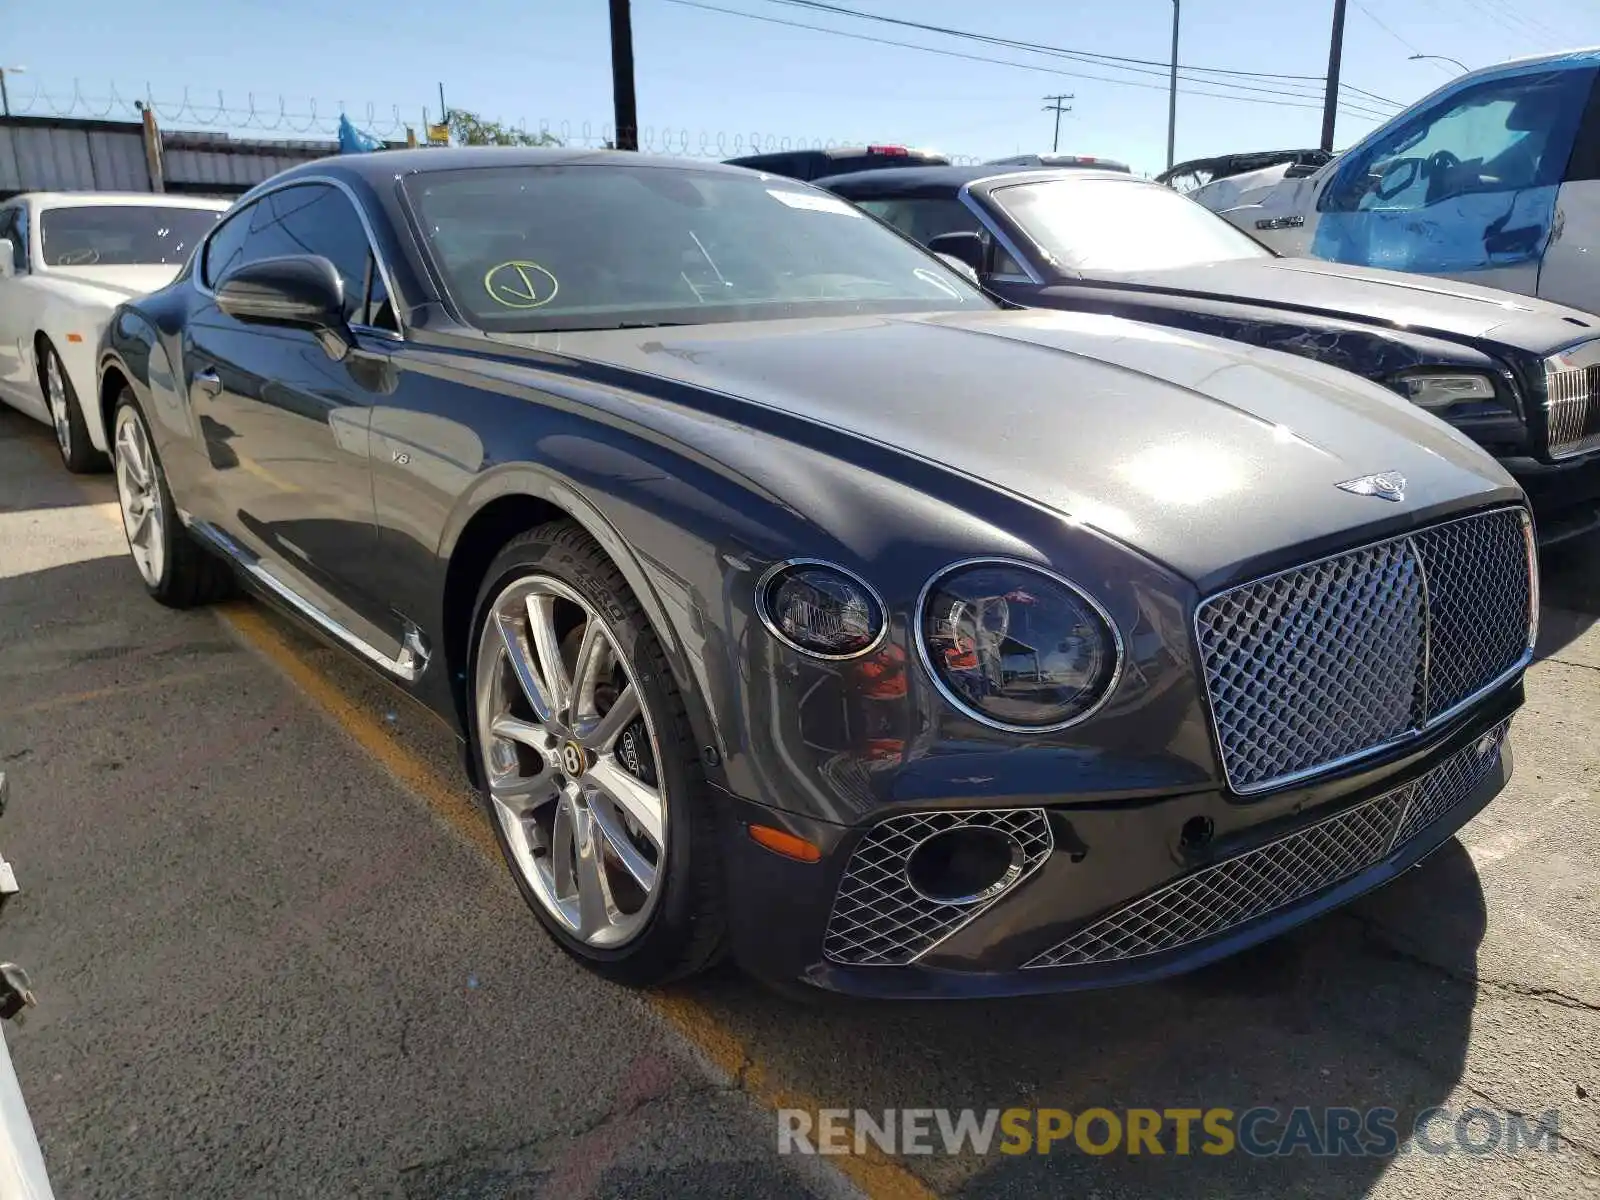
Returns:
(694, 673)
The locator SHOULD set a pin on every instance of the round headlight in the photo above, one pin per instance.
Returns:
(820, 609)
(1015, 647)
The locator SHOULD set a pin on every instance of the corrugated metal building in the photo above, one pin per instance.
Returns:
(67, 155)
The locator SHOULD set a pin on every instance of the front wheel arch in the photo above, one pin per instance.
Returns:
(524, 499)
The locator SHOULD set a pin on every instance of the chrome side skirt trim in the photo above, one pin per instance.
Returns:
(408, 665)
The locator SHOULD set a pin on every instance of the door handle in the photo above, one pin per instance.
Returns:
(208, 381)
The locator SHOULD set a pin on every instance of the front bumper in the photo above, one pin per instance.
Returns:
(1565, 496)
(1121, 892)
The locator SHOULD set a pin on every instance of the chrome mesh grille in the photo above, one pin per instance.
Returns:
(1478, 603)
(1323, 663)
(878, 920)
(1270, 877)
(1572, 408)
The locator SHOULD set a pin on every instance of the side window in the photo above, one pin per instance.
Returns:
(924, 219)
(310, 218)
(1585, 161)
(225, 250)
(1500, 135)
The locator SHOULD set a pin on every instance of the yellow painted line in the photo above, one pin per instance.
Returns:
(875, 1173)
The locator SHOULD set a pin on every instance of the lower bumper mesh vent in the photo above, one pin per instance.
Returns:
(880, 920)
(1270, 877)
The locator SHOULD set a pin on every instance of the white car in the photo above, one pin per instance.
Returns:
(1492, 179)
(66, 260)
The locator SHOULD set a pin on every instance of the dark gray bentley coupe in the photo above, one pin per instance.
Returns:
(795, 600)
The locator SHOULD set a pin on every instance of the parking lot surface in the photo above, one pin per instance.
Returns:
(276, 953)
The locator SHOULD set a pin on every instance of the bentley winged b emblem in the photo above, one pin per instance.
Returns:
(1386, 485)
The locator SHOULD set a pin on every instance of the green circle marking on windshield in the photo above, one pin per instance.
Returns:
(520, 285)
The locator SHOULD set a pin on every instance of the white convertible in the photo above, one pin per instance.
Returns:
(66, 260)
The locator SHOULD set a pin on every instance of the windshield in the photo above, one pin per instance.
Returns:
(1091, 225)
(120, 235)
(528, 249)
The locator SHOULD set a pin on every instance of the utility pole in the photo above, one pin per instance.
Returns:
(1058, 108)
(1172, 91)
(1330, 97)
(622, 97)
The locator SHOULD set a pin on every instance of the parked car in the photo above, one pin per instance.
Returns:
(1515, 374)
(1228, 180)
(1059, 160)
(1494, 178)
(817, 164)
(792, 596)
(66, 260)
(22, 1170)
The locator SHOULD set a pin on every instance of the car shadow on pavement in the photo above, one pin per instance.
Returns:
(1569, 586)
(25, 445)
(1369, 1007)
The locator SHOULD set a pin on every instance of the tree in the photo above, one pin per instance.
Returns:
(469, 129)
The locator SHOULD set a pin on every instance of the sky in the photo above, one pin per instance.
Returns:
(719, 83)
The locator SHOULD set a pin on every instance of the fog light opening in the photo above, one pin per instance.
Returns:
(965, 865)
(1196, 832)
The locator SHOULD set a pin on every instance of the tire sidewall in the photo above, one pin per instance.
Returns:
(660, 943)
(79, 456)
(169, 513)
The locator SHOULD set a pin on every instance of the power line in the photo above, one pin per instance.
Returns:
(1036, 47)
(1373, 17)
(1353, 108)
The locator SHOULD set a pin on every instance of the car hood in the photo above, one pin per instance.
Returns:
(125, 282)
(1366, 295)
(1202, 453)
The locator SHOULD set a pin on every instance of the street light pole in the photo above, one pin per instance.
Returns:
(1441, 58)
(1172, 94)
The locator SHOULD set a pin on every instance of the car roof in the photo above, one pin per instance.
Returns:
(905, 181)
(116, 199)
(388, 164)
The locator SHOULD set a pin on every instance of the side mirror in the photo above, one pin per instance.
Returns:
(302, 290)
(966, 247)
(8, 266)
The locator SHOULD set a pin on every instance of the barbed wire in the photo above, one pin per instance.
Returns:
(276, 115)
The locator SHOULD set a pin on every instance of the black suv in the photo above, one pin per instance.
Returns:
(818, 164)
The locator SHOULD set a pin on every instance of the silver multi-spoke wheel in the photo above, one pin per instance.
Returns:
(139, 491)
(55, 390)
(571, 761)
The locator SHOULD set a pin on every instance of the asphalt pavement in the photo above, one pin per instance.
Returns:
(276, 953)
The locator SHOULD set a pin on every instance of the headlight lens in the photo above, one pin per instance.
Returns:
(820, 609)
(1439, 392)
(1017, 648)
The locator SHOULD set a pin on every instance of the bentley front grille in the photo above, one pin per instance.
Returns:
(1572, 408)
(1261, 881)
(1323, 664)
(880, 920)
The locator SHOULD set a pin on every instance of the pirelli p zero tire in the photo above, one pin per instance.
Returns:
(171, 564)
(589, 767)
(66, 414)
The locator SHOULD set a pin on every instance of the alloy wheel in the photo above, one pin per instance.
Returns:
(139, 493)
(55, 388)
(571, 761)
